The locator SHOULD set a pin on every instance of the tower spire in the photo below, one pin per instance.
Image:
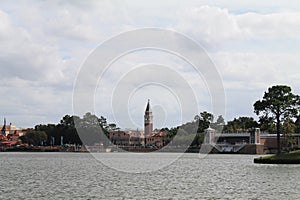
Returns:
(148, 107)
(148, 120)
(4, 127)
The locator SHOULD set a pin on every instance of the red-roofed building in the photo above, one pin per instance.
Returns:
(147, 138)
(11, 129)
(119, 138)
(9, 143)
(3, 138)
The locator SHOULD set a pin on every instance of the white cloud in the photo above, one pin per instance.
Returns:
(257, 71)
(209, 24)
(270, 26)
(247, 75)
(43, 44)
(252, 51)
(218, 25)
(22, 55)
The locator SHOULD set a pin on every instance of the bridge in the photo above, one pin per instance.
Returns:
(245, 142)
(231, 142)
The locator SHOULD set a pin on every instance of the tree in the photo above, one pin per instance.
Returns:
(103, 122)
(67, 130)
(198, 140)
(288, 129)
(279, 103)
(204, 120)
(207, 117)
(92, 130)
(33, 137)
(267, 124)
(241, 124)
(171, 134)
(112, 127)
(220, 121)
(297, 124)
(219, 124)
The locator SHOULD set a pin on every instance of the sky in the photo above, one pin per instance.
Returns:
(44, 45)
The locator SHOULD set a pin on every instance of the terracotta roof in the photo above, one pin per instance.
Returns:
(9, 143)
(2, 137)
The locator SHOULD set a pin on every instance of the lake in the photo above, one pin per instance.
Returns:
(81, 176)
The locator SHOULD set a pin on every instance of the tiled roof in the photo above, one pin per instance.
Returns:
(9, 143)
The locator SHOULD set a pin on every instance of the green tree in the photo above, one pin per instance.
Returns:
(198, 140)
(49, 129)
(67, 129)
(90, 126)
(267, 124)
(103, 122)
(279, 103)
(92, 130)
(185, 135)
(297, 125)
(112, 127)
(220, 120)
(207, 117)
(204, 120)
(288, 129)
(171, 134)
(241, 124)
(219, 124)
(33, 137)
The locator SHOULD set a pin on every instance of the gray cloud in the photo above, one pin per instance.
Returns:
(43, 44)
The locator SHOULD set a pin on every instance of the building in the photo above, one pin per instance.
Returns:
(146, 138)
(156, 140)
(120, 138)
(253, 142)
(11, 130)
(152, 139)
(248, 142)
(10, 135)
(148, 121)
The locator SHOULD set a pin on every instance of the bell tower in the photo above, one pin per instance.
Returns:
(148, 120)
(3, 130)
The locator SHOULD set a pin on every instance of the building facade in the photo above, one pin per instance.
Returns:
(10, 134)
(120, 138)
(11, 129)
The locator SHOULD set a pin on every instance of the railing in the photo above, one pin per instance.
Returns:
(226, 147)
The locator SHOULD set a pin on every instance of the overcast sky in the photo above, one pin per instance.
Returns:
(253, 44)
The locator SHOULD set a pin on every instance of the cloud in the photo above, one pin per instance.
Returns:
(43, 44)
(256, 70)
(208, 24)
(251, 50)
(33, 75)
(247, 75)
(218, 25)
(22, 55)
(270, 26)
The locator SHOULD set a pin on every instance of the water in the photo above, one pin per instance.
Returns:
(80, 176)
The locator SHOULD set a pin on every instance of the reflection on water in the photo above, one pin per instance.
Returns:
(80, 176)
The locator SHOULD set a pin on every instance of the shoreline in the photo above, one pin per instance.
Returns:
(59, 149)
(292, 157)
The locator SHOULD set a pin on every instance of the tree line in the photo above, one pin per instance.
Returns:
(278, 113)
(66, 131)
